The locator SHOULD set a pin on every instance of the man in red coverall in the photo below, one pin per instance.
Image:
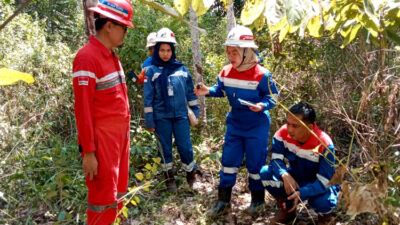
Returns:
(102, 111)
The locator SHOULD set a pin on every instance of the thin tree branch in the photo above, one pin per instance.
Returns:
(20, 8)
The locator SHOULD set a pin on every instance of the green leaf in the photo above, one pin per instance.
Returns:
(314, 27)
(139, 176)
(200, 7)
(283, 32)
(351, 35)
(251, 11)
(171, 12)
(51, 194)
(369, 24)
(125, 211)
(182, 6)
(9, 76)
(148, 166)
(294, 12)
(258, 24)
(393, 36)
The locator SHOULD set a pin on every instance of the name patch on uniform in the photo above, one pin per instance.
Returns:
(83, 80)
(145, 79)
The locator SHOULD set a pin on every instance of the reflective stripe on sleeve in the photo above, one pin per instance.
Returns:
(323, 180)
(100, 208)
(231, 170)
(193, 102)
(83, 73)
(277, 156)
(148, 109)
(254, 176)
(272, 183)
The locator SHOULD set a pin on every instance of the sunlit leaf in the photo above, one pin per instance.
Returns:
(315, 27)
(9, 76)
(148, 166)
(182, 6)
(133, 202)
(283, 32)
(369, 24)
(351, 35)
(279, 26)
(294, 12)
(274, 11)
(157, 160)
(125, 211)
(199, 7)
(251, 11)
(171, 12)
(146, 189)
(258, 24)
(139, 176)
(148, 175)
(137, 199)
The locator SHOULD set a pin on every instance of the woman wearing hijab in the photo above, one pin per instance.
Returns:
(168, 91)
(250, 92)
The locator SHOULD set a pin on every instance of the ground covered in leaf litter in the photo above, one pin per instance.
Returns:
(189, 207)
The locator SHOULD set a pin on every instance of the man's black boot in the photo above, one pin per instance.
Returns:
(257, 202)
(224, 198)
(170, 181)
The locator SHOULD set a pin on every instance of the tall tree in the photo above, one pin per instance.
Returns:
(196, 54)
(89, 18)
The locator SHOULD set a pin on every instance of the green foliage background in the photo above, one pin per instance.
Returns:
(40, 166)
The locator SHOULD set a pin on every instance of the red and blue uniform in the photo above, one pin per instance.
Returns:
(311, 165)
(247, 131)
(102, 120)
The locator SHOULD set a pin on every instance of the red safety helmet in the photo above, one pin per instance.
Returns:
(118, 10)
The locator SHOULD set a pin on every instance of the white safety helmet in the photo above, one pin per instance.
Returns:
(240, 36)
(166, 35)
(151, 39)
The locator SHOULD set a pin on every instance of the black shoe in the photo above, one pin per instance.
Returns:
(257, 202)
(224, 198)
(191, 177)
(170, 181)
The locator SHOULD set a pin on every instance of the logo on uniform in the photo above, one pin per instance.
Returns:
(83, 81)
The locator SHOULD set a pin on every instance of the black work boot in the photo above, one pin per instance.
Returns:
(224, 198)
(257, 202)
(191, 177)
(283, 216)
(170, 181)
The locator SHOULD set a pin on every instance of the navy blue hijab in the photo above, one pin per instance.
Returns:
(168, 68)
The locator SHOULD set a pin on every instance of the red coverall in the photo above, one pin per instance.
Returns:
(102, 119)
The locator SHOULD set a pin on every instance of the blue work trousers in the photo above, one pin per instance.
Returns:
(252, 143)
(180, 127)
(323, 203)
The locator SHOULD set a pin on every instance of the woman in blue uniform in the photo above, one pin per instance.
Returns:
(168, 91)
(250, 92)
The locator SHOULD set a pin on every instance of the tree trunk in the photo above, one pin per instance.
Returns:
(89, 19)
(230, 17)
(196, 54)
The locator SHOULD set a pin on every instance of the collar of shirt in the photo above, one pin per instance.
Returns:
(101, 47)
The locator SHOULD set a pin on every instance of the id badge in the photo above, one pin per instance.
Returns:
(170, 90)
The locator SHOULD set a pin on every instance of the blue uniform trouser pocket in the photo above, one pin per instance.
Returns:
(181, 129)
